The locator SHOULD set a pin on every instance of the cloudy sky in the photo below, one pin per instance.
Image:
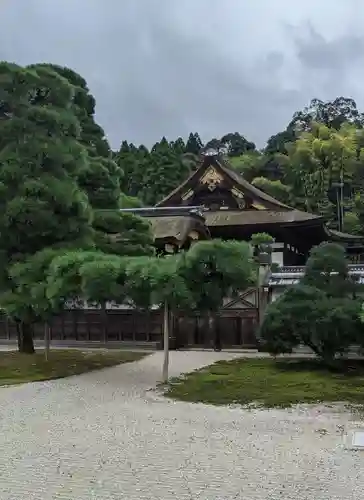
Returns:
(168, 67)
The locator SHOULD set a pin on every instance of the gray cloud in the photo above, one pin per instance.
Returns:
(160, 67)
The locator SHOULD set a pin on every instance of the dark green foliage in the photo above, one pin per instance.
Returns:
(164, 172)
(327, 269)
(236, 144)
(152, 175)
(320, 312)
(154, 281)
(216, 269)
(194, 144)
(56, 177)
(306, 315)
(331, 113)
(122, 233)
(41, 204)
(83, 106)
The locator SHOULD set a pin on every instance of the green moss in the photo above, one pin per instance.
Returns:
(17, 368)
(271, 383)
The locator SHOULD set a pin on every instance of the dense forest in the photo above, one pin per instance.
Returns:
(316, 161)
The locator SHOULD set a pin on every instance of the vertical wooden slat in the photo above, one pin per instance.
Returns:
(134, 322)
(104, 320)
(62, 326)
(7, 329)
(75, 323)
(87, 321)
(238, 330)
(148, 336)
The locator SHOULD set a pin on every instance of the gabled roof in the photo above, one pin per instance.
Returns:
(223, 168)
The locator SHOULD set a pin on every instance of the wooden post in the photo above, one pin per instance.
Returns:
(104, 321)
(265, 262)
(165, 342)
(47, 340)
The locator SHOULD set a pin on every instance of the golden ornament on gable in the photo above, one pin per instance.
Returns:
(211, 178)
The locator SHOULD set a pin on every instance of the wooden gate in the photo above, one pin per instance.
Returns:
(237, 323)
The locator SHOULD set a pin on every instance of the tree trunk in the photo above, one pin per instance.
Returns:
(166, 325)
(18, 334)
(47, 340)
(25, 338)
(214, 331)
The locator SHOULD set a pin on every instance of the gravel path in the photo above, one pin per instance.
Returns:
(104, 436)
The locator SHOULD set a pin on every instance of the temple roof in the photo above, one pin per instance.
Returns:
(220, 165)
(176, 228)
(173, 224)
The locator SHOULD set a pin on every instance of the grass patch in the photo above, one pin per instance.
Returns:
(17, 368)
(271, 383)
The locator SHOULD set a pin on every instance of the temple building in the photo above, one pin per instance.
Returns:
(217, 202)
(214, 202)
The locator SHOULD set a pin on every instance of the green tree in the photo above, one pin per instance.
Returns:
(248, 164)
(319, 160)
(164, 172)
(214, 270)
(236, 144)
(306, 315)
(83, 106)
(194, 144)
(327, 269)
(320, 312)
(332, 114)
(276, 189)
(101, 178)
(278, 143)
(41, 203)
(122, 233)
(157, 281)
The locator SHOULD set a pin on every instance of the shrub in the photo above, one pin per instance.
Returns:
(307, 315)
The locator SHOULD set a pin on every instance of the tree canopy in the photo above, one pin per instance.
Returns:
(60, 188)
(320, 312)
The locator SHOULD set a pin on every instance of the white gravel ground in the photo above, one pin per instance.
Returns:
(104, 436)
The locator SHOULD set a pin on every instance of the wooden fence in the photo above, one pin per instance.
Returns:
(236, 328)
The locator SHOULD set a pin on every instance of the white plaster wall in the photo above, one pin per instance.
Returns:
(277, 258)
(277, 253)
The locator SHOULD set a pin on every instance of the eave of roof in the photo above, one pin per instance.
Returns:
(345, 237)
(176, 227)
(256, 217)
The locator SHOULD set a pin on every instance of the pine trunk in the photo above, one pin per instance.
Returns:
(25, 338)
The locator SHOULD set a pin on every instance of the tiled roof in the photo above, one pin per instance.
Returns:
(291, 275)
